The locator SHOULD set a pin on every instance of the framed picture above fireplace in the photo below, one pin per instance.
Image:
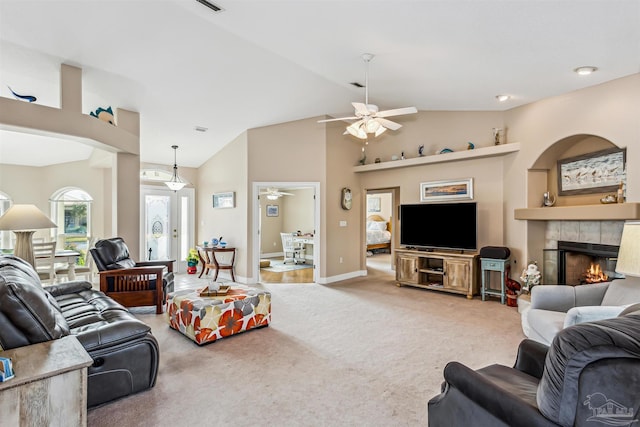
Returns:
(597, 172)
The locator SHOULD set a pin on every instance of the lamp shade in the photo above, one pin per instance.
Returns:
(25, 217)
(629, 254)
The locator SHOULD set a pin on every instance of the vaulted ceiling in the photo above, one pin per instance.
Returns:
(261, 62)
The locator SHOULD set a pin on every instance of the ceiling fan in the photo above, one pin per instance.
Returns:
(368, 118)
(273, 193)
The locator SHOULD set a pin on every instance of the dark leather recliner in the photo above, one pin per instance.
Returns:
(124, 352)
(589, 376)
(132, 284)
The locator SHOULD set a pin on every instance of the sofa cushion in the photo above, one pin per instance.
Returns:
(544, 324)
(622, 292)
(30, 315)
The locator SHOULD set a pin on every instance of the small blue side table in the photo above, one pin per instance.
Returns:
(488, 265)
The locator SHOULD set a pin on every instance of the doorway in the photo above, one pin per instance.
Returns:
(380, 227)
(286, 238)
(167, 220)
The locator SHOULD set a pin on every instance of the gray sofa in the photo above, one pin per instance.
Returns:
(555, 307)
(125, 354)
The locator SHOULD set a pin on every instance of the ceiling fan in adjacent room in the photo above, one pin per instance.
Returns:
(273, 193)
(368, 118)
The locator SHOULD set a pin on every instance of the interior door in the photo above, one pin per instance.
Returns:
(167, 224)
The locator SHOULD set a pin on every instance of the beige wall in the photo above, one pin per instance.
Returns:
(271, 226)
(226, 171)
(297, 211)
(36, 185)
(288, 152)
(610, 110)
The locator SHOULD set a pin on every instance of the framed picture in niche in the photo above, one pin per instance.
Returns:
(373, 204)
(224, 200)
(273, 210)
(597, 172)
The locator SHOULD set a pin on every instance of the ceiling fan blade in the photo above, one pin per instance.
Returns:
(285, 194)
(338, 119)
(361, 108)
(397, 112)
(388, 123)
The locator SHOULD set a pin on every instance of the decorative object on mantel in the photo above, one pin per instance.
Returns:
(377, 160)
(470, 145)
(496, 135)
(402, 155)
(530, 276)
(28, 98)
(106, 115)
(620, 194)
(445, 150)
(421, 150)
(548, 199)
(609, 198)
(394, 157)
(597, 172)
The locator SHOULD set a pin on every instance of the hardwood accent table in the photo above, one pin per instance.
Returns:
(209, 260)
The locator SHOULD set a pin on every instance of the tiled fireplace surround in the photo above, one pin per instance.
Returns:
(596, 232)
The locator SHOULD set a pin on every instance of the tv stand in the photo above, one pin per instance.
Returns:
(440, 271)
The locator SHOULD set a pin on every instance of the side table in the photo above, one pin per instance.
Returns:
(491, 264)
(50, 386)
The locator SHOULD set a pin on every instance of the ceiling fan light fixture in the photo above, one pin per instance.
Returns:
(356, 130)
(273, 196)
(175, 183)
(380, 130)
(372, 126)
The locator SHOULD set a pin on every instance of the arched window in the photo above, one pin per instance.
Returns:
(71, 210)
(5, 236)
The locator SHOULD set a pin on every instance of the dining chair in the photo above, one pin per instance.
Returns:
(44, 254)
(87, 271)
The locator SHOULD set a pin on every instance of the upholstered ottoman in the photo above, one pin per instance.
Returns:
(206, 319)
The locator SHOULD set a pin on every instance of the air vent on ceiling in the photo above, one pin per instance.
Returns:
(356, 84)
(210, 5)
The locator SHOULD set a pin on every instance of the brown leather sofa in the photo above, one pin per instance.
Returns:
(125, 354)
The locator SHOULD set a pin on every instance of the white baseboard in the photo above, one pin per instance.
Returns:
(271, 255)
(340, 277)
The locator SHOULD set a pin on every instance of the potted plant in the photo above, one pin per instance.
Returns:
(192, 261)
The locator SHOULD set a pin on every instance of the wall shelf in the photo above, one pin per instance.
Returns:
(611, 212)
(456, 156)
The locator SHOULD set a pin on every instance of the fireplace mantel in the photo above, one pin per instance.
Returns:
(602, 212)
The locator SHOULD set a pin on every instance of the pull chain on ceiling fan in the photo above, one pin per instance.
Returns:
(368, 117)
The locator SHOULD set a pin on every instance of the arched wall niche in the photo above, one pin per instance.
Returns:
(543, 174)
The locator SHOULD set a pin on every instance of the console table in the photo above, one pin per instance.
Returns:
(49, 387)
(210, 260)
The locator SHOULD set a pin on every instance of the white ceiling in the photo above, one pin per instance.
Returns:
(261, 62)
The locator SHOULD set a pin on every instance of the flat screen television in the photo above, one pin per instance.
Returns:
(439, 226)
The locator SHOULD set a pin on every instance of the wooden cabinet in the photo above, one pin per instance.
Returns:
(441, 271)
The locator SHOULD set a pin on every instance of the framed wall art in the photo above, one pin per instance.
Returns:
(224, 200)
(597, 172)
(435, 191)
(273, 210)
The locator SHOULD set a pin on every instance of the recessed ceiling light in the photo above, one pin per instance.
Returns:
(502, 98)
(586, 70)
(201, 129)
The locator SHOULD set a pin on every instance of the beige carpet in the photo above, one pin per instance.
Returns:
(363, 352)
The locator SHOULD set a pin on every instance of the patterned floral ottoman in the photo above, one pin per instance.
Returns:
(206, 319)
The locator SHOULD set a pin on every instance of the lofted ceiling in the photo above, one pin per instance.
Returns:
(262, 62)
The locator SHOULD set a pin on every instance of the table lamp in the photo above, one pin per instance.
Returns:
(24, 220)
(629, 254)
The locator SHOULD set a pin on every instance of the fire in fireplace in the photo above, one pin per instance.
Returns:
(594, 274)
(576, 263)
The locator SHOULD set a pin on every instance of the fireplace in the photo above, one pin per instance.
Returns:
(575, 263)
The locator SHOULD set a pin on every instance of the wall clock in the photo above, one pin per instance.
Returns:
(346, 198)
